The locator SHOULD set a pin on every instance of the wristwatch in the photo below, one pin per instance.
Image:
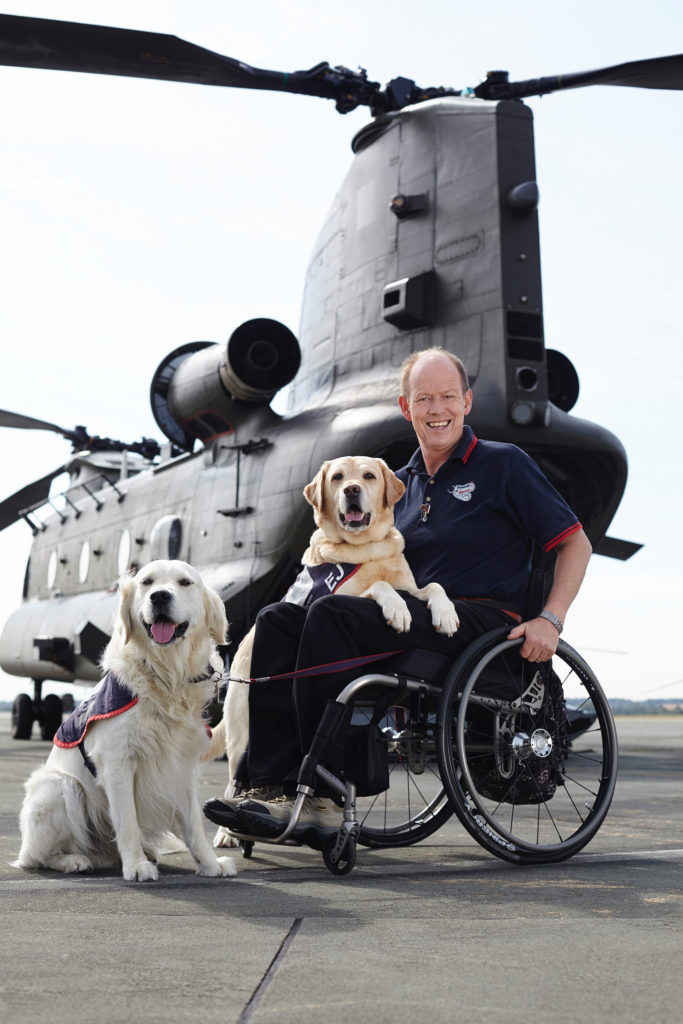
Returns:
(557, 623)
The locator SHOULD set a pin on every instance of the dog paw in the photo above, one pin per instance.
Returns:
(74, 862)
(143, 871)
(224, 867)
(444, 616)
(224, 839)
(397, 615)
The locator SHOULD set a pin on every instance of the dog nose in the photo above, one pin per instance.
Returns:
(352, 490)
(159, 598)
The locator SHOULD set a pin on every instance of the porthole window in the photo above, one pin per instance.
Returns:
(52, 570)
(166, 538)
(123, 557)
(84, 562)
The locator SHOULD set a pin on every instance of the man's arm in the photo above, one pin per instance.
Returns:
(540, 636)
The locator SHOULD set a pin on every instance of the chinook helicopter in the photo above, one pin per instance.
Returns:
(432, 239)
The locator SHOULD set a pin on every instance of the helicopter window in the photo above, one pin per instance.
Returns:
(166, 537)
(52, 570)
(84, 562)
(123, 557)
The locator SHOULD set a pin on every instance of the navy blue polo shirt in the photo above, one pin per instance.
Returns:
(472, 526)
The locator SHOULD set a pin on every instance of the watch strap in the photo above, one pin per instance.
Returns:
(557, 623)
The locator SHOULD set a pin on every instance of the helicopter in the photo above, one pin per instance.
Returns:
(432, 240)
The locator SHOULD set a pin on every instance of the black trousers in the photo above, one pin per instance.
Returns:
(284, 713)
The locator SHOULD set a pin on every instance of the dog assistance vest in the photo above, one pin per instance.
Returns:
(110, 699)
(316, 581)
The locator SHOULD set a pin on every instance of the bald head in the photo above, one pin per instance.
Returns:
(437, 353)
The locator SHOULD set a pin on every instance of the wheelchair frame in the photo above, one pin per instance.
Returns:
(503, 757)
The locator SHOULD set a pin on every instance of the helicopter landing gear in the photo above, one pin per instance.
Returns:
(50, 716)
(22, 717)
(46, 711)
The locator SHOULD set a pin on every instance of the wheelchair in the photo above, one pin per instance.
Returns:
(525, 755)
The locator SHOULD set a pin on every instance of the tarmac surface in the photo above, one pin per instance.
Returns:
(442, 931)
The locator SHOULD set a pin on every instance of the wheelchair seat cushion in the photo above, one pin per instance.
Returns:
(421, 664)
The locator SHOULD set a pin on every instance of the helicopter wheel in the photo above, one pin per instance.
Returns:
(22, 717)
(50, 716)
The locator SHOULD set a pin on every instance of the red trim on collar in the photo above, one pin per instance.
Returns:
(469, 450)
(561, 536)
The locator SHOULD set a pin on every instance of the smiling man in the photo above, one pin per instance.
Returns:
(473, 509)
(471, 515)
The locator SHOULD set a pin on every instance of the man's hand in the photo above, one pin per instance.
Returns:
(540, 639)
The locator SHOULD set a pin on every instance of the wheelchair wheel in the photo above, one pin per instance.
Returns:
(528, 752)
(416, 803)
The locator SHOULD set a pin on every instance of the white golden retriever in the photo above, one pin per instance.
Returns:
(125, 774)
(353, 502)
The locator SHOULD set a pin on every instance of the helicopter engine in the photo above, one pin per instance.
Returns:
(203, 390)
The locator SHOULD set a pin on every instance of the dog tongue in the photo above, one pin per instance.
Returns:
(353, 516)
(163, 632)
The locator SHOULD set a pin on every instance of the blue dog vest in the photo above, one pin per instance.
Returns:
(110, 699)
(316, 581)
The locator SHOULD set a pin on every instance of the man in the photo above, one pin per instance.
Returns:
(470, 516)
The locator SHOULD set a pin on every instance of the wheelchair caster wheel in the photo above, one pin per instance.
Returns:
(246, 846)
(345, 863)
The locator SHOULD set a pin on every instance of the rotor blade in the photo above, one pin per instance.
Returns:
(21, 422)
(32, 494)
(654, 73)
(98, 49)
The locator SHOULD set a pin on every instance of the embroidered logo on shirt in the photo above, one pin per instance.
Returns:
(463, 492)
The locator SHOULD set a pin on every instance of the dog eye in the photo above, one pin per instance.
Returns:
(146, 582)
(369, 476)
(185, 582)
(338, 476)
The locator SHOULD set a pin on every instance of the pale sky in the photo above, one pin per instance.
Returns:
(137, 216)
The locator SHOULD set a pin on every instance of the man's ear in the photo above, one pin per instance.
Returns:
(405, 408)
(314, 493)
(393, 487)
(126, 592)
(216, 621)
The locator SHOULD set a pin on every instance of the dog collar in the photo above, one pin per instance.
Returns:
(210, 673)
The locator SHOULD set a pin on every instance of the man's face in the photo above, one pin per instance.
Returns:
(436, 406)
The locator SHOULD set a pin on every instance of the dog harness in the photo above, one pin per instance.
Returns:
(316, 581)
(110, 699)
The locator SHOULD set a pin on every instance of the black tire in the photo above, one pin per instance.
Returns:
(346, 862)
(520, 775)
(22, 717)
(50, 716)
(416, 803)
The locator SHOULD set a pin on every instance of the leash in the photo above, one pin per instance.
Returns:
(317, 670)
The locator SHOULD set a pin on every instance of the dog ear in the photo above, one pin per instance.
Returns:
(126, 592)
(216, 620)
(314, 493)
(393, 487)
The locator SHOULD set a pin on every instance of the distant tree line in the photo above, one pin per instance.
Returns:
(646, 707)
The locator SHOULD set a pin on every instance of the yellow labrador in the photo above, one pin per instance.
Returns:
(353, 500)
(124, 770)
